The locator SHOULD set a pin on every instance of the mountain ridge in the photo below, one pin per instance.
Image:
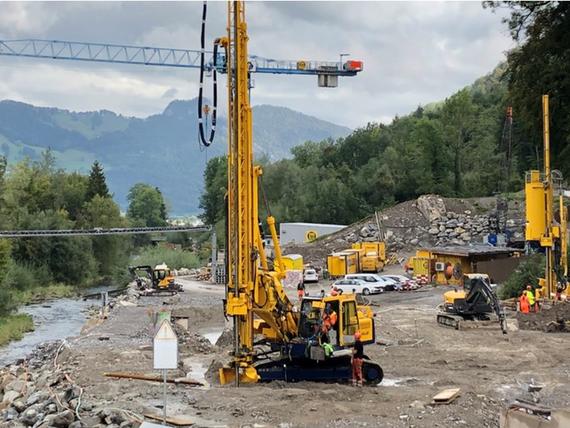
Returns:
(161, 149)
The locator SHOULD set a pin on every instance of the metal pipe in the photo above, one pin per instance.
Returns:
(548, 193)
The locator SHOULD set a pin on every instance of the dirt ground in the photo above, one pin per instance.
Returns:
(419, 359)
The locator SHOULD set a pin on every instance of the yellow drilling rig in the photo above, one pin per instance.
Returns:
(546, 230)
(273, 340)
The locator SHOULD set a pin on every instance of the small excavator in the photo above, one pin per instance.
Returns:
(160, 279)
(476, 302)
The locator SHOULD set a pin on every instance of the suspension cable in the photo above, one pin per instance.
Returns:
(203, 140)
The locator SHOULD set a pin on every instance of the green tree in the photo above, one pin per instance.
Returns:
(458, 114)
(215, 185)
(540, 65)
(146, 206)
(110, 252)
(97, 184)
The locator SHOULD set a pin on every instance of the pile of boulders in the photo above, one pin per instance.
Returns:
(39, 392)
(200, 274)
(459, 228)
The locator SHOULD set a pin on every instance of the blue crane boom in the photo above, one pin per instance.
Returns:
(166, 57)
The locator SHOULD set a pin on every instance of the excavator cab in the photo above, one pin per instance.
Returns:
(162, 278)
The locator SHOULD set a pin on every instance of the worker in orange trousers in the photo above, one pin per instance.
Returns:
(357, 357)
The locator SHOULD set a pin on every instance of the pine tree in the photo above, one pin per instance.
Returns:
(97, 184)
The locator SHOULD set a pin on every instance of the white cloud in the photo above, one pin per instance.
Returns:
(414, 53)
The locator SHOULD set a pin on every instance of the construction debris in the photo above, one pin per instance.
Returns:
(446, 396)
(552, 317)
(152, 378)
(178, 421)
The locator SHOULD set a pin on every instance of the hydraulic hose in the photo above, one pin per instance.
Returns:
(210, 139)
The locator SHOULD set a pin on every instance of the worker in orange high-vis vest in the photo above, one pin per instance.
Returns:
(329, 320)
(531, 299)
(357, 357)
(524, 307)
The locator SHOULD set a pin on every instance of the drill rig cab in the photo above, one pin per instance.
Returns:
(476, 302)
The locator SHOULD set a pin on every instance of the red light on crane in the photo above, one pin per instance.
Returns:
(353, 65)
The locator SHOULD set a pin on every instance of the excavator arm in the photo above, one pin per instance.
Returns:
(481, 294)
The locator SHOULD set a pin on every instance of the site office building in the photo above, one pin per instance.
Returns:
(300, 233)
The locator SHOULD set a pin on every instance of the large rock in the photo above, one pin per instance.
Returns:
(63, 419)
(10, 414)
(30, 416)
(16, 385)
(36, 397)
(19, 405)
(431, 207)
(10, 396)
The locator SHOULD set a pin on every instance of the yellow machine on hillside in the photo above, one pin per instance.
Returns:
(477, 301)
(273, 340)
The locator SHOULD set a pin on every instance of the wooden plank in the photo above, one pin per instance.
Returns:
(179, 421)
(446, 396)
(152, 378)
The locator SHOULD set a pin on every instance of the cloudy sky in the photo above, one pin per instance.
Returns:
(414, 53)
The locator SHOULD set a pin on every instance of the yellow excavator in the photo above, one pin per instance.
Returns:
(273, 339)
(160, 278)
(477, 301)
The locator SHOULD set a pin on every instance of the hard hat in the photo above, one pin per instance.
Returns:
(357, 335)
(528, 287)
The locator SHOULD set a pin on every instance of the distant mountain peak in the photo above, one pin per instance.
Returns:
(134, 150)
(182, 108)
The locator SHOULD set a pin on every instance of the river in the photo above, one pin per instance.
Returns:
(53, 320)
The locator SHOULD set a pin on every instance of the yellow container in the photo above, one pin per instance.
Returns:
(359, 254)
(343, 263)
(374, 256)
(535, 208)
(292, 262)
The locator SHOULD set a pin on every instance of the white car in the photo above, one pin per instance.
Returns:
(310, 275)
(356, 286)
(402, 282)
(374, 280)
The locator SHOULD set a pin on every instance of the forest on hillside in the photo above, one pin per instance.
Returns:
(458, 147)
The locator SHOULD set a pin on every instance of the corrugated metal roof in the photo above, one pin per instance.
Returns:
(313, 224)
(475, 250)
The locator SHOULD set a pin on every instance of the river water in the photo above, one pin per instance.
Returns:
(53, 320)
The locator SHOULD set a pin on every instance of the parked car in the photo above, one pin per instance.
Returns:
(386, 284)
(358, 286)
(403, 282)
(310, 275)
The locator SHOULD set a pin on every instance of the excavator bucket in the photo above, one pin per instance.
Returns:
(247, 375)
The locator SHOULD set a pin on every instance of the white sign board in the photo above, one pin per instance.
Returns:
(151, 425)
(165, 347)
